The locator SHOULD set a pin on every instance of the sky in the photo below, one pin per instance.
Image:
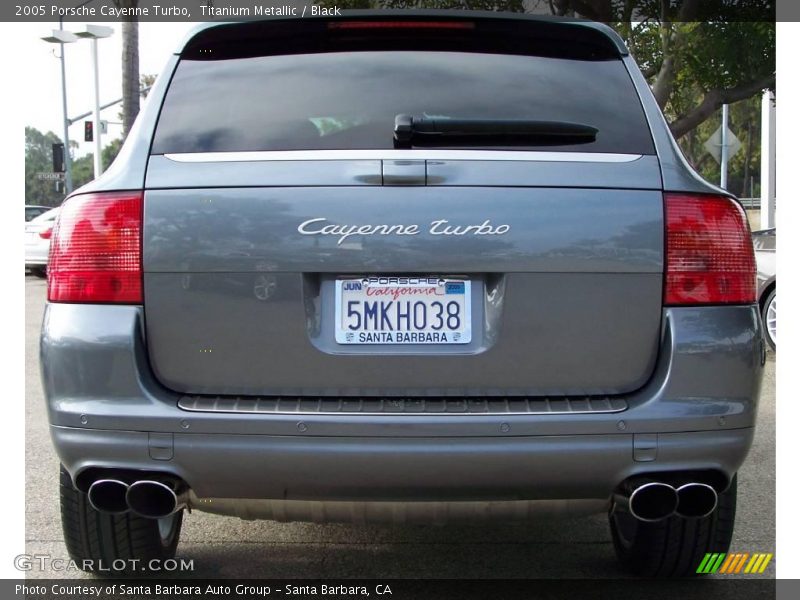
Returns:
(42, 102)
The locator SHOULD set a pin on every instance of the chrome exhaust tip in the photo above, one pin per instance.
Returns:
(108, 496)
(154, 499)
(653, 501)
(696, 500)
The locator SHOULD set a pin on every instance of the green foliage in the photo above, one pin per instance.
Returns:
(83, 167)
(350, 4)
(146, 80)
(711, 49)
(495, 5)
(110, 152)
(149, 79)
(710, 59)
(39, 159)
(744, 167)
(726, 55)
(82, 170)
(707, 56)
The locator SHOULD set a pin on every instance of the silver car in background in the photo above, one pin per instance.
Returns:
(38, 232)
(764, 244)
(34, 210)
(495, 290)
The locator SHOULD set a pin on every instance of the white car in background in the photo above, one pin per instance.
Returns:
(37, 241)
(764, 244)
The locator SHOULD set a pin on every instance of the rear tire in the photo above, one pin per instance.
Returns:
(100, 541)
(769, 318)
(673, 547)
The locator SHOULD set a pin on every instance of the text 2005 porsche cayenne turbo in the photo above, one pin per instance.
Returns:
(402, 266)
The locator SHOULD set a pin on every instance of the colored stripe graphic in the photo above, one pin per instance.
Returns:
(764, 564)
(726, 566)
(702, 567)
(733, 563)
(711, 563)
(741, 562)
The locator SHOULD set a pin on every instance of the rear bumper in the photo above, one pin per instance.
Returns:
(325, 468)
(696, 413)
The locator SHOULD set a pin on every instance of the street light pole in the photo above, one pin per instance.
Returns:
(98, 159)
(67, 157)
(61, 37)
(94, 33)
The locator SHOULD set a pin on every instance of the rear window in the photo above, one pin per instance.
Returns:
(349, 100)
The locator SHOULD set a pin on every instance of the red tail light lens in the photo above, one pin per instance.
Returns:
(46, 233)
(710, 258)
(96, 250)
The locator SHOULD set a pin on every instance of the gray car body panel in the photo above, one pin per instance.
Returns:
(701, 375)
(402, 469)
(707, 381)
(206, 249)
(691, 391)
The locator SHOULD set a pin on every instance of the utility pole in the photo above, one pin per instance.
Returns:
(723, 159)
(61, 37)
(94, 33)
(768, 160)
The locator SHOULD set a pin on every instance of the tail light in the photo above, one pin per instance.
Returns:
(96, 250)
(709, 252)
(45, 234)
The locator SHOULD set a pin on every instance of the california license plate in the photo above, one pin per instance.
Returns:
(403, 310)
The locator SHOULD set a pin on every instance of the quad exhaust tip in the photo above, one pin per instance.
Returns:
(696, 500)
(653, 501)
(154, 499)
(109, 496)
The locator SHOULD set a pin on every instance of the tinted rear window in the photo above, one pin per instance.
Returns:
(349, 100)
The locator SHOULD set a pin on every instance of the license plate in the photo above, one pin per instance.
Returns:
(403, 310)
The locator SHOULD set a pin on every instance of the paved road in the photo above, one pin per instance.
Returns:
(229, 547)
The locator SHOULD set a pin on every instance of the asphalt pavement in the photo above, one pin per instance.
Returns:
(230, 547)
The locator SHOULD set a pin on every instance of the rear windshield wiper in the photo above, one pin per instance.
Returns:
(410, 131)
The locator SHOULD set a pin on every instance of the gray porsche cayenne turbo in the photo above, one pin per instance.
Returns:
(402, 266)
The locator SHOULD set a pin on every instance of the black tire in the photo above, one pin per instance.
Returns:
(765, 308)
(101, 542)
(673, 547)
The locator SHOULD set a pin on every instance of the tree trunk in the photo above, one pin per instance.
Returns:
(714, 99)
(672, 37)
(130, 68)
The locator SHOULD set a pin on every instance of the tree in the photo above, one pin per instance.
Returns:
(145, 82)
(111, 150)
(130, 66)
(744, 167)
(83, 170)
(695, 68)
(39, 159)
(83, 167)
(696, 54)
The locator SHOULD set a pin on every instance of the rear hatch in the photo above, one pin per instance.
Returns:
(293, 247)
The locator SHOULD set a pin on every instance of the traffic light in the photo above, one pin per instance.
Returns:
(58, 158)
(88, 131)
